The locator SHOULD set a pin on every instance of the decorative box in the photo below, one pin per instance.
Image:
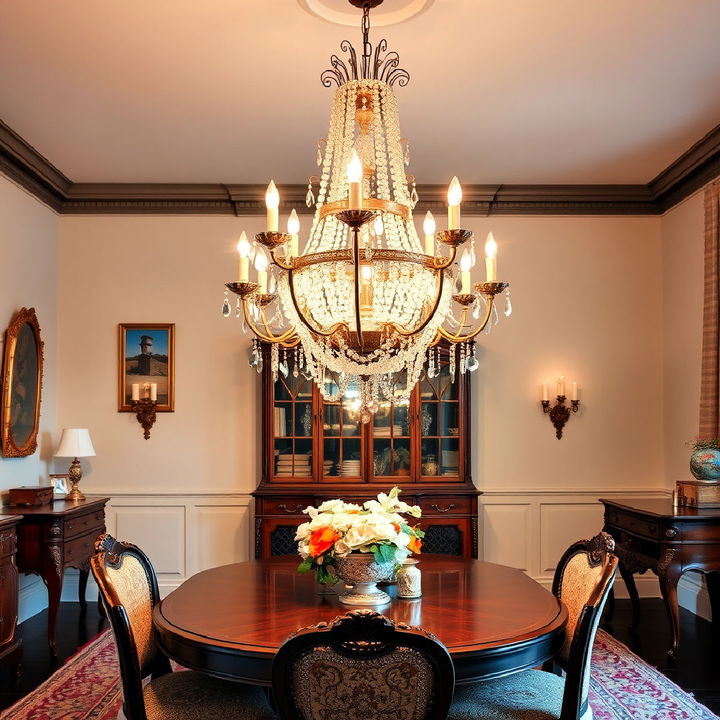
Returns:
(693, 493)
(24, 496)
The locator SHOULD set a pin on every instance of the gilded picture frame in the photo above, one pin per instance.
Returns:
(146, 354)
(22, 385)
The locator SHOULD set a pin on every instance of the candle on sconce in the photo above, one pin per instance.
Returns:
(243, 248)
(545, 392)
(272, 202)
(354, 175)
(293, 228)
(153, 392)
(574, 391)
(561, 385)
(465, 265)
(135, 392)
(261, 264)
(454, 200)
(146, 391)
(491, 258)
(429, 230)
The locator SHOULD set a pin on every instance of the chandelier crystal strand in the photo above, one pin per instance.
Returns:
(361, 307)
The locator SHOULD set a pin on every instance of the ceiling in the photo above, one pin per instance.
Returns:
(228, 91)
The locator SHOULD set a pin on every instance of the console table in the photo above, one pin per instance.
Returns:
(10, 648)
(651, 534)
(56, 536)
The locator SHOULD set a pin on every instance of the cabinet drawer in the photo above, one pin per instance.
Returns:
(79, 549)
(445, 505)
(285, 506)
(93, 521)
(645, 527)
(8, 542)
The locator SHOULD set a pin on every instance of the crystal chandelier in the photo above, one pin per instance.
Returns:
(366, 301)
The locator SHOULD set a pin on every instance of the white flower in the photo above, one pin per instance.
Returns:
(303, 531)
(341, 548)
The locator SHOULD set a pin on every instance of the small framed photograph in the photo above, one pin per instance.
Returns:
(146, 360)
(61, 485)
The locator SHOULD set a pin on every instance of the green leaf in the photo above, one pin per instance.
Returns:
(420, 533)
(406, 529)
(387, 552)
(305, 566)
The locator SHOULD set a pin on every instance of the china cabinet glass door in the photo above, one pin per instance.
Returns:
(439, 421)
(341, 437)
(391, 442)
(292, 426)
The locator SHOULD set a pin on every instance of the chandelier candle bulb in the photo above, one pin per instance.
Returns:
(293, 228)
(378, 226)
(491, 258)
(574, 391)
(429, 230)
(454, 200)
(243, 248)
(561, 385)
(272, 202)
(261, 264)
(153, 392)
(465, 265)
(136, 392)
(355, 174)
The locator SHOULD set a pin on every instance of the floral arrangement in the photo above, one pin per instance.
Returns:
(337, 528)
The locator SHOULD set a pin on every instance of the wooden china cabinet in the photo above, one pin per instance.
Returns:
(314, 450)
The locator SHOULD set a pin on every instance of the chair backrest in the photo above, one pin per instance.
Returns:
(129, 591)
(361, 666)
(582, 581)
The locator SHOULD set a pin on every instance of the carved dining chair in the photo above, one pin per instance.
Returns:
(362, 666)
(129, 592)
(582, 581)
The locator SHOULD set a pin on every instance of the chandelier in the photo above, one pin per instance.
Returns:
(365, 302)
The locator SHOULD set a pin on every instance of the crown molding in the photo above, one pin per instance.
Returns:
(22, 163)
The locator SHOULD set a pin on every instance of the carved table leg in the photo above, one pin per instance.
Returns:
(669, 573)
(713, 585)
(629, 580)
(53, 577)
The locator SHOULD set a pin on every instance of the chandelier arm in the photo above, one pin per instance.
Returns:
(269, 337)
(301, 315)
(442, 262)
(280, 263)
(430, 315)
(464, 338)
(356, 259)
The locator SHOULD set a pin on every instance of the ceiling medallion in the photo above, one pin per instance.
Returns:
(365, 304)
(394, 12)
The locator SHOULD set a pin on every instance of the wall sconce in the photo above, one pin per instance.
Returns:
(145, 407)
(560, 413)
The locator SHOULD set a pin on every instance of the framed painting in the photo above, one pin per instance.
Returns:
(22, 385)
(146, 360)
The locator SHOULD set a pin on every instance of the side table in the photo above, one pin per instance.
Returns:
(10, 647)
(56, 536)
(651, 534)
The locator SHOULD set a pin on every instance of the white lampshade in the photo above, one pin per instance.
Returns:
(75, 443)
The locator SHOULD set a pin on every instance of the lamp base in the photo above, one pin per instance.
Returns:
(75, 475)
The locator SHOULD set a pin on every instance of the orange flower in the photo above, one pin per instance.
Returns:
(415, 544)
(322, 540)
(397, 527)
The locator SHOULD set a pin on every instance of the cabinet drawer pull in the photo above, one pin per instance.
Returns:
(437, 508)
(288, 510)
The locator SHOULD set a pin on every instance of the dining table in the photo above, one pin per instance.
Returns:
(229, 621)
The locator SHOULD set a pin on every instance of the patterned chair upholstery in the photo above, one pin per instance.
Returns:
(129, 592)
(362, 666)
(582, 581)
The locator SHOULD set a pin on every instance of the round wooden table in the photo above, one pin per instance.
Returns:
(230, 621)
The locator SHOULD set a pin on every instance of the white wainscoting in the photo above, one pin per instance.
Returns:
(530, 529)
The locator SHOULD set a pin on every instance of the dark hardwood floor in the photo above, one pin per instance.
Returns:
(695, 670)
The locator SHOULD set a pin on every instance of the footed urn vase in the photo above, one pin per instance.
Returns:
(363, 572)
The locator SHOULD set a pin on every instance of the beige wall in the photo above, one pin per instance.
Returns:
(682, 248)
(28, 277)
(587, 299)
(158, 269)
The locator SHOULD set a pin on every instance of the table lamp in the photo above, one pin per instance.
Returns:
(75, 443)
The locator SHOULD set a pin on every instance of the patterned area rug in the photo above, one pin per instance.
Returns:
(623, 687)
